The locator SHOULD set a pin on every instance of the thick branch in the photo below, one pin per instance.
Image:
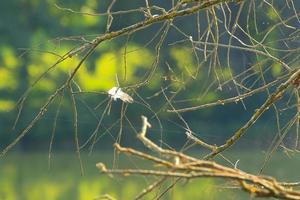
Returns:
(270, 101)
(259, 186)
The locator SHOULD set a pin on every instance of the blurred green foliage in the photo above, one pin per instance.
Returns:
(36, 33)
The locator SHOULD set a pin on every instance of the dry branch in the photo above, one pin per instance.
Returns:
(192, 167)
(89, 47)
(171, 163)
(269, 102)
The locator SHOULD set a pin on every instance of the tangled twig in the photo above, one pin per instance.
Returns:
(181, 165)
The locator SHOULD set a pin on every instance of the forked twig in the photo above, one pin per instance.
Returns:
(260, 186)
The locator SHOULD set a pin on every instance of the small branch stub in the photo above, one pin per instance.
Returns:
(102, 167)
(146, 125)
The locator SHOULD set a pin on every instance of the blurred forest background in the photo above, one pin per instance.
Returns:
(32, 30)
(35, 33)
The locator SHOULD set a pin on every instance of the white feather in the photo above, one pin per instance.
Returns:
(117, 93)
